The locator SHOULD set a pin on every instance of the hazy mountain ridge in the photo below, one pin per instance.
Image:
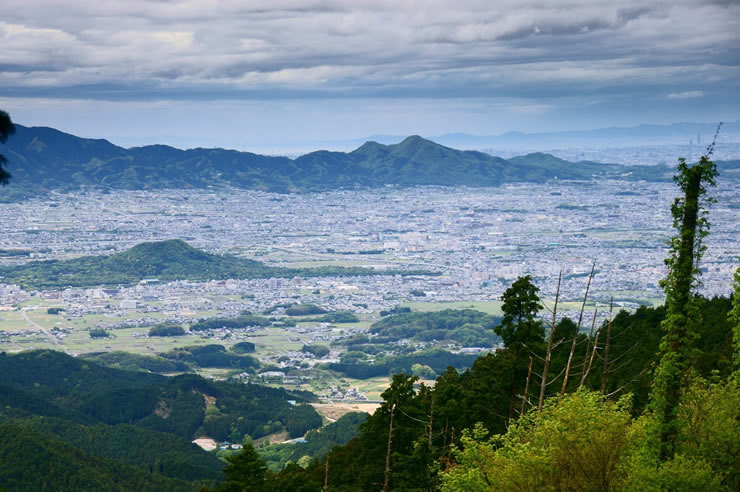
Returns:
(47, 158)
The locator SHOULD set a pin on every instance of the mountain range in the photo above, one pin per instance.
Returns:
(44, 158)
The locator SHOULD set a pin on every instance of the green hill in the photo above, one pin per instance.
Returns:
(165, 260)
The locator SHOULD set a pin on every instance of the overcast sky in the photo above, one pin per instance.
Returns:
(254, 74)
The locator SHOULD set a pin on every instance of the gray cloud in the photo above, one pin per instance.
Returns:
(524, 57)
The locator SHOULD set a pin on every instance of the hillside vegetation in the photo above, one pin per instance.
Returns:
(104, 421)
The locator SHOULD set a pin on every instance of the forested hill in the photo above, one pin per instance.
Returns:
(70, 424)
(164, 260)
(43, 157)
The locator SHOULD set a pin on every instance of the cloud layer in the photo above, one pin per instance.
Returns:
(537, 54)
(136, 49)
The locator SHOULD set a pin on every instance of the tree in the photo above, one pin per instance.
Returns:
(245, 471)
(521, 305)
(6, 129)
(682, 311)
(519, 328)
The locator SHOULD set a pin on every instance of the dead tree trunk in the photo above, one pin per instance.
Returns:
(526, 386)
(386, 480)
(606, 348)
(512, 395)
(431, 420)
(593, 352)
(548, 353)
(578, 329)
(326, 475)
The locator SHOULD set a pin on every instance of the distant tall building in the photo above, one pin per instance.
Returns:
(698, 139)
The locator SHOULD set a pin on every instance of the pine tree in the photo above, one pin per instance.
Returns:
(519, 328)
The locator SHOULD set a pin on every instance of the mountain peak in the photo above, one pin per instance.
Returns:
(415, 140)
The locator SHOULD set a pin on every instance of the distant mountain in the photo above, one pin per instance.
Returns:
(44, 158)
(675, 133)
(165, 260)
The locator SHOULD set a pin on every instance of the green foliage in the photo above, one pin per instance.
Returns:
(336, 317)
(468, 327)
(34, 460)
(318, 442)
(242, 321)
(679, 474)
(54, 310)
(575, 443)
(245, 471)
(166, 330)
(352, 357)
(707, 442)
(423, 371)
(304, 310)
(709, 427)
(171, 455)
(212, 355)
(734, 318)
(395, 310)
(98, 333)
(316, 350)
(136, 362)
(437, 359)
(299, 419)
(243, 347)
(174, 405)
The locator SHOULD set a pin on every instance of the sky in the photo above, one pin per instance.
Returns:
(256, 75)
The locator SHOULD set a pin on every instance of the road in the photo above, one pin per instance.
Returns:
(54, 340)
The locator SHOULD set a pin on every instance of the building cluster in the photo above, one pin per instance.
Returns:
(478, 240)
